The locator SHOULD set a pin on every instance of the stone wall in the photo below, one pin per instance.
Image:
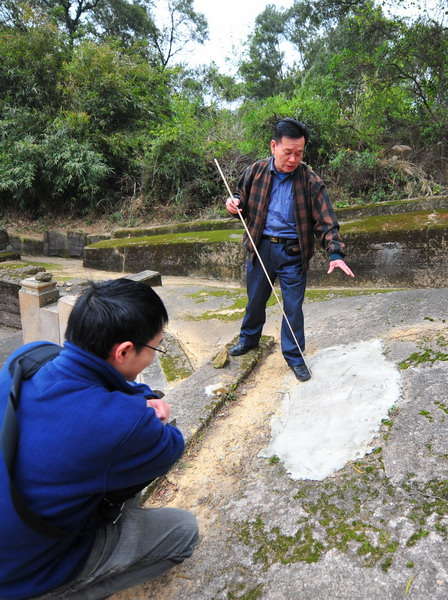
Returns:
(389, 259)
(26, 245)
(392, 208)
(220, 260)
(416, 258)
(54, 243)
(9, 303)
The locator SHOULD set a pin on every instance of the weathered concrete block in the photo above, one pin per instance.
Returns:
(65, 305)
(76, 240)
(33, 295)
(397, 250)
(4, 239)
(9, 304)
(394, 207)
(49, 323)
(15, 243)
(55, 243)
(106, 259)
(193, 226)
(28, 246)
(8, 255)
(92, 238)
(150, 278)
(32, 246)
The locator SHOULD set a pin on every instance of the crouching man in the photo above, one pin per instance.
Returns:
(88, 439)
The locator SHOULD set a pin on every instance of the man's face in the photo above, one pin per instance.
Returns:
(143, 357)
(130, 360)
(287, 153)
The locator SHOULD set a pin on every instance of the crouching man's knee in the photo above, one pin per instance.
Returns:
(186, 533)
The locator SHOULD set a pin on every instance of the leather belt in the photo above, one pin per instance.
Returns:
(278, 240)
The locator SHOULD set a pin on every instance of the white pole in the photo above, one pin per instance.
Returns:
(264, 268)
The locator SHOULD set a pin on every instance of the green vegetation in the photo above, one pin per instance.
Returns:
(427, 355)
(402, 222)
(20, 265)
(316, 295)
(96, 117)
(173, 368)
(7, 255)
(251, 594)
(237, 299)
(193, 237)
(345, 513)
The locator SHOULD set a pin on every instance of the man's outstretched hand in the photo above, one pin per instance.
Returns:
(340, 264)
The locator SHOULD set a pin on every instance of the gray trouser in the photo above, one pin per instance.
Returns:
(142, 545)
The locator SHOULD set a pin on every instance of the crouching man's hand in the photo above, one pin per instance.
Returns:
(340, 264)
(161, 408)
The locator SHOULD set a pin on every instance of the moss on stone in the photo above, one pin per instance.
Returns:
(22, 264)
(412, 221)
(203, 295)
(174, 368)
(7, 255)
(321, 295)
(231, 312)
(235, 310)
(206, 231)
(431, 350)
(241, 593)
(194, 237)
(390, 203)
(418, 535)
(344, 513)
(204, 225)
(427, 356)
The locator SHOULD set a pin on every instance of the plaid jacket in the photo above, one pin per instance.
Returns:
(315, 216)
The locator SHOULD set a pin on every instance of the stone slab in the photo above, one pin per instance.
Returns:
(151, 278)
(196, 399)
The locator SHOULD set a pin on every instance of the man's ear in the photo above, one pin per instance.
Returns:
(119, 353)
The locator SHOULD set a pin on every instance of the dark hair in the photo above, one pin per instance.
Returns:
(111, 312)
(290, 128)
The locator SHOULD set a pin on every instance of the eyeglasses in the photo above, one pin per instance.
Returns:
(162, 350)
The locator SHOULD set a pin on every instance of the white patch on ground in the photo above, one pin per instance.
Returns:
(214, 389)
(332, 418)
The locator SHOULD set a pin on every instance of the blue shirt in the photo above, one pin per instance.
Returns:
(281, 217)
(84, 431)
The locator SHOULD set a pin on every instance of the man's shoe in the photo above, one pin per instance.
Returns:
(241, 348)
(301, 372)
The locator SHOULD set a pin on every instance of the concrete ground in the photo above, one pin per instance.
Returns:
(375, 529)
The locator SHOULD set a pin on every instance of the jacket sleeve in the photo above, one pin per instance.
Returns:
(243, 188)
(326, 226)
(149, 451)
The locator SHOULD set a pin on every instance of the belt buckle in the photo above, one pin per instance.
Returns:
(275, 240)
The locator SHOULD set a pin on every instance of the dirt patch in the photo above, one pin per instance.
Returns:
(412, 334)
(211, 471)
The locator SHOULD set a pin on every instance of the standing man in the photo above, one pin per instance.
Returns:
(89, 439)
(285, 204)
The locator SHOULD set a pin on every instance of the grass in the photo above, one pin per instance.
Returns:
(236, 300)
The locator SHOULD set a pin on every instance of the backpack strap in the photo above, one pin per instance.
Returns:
(24, 366)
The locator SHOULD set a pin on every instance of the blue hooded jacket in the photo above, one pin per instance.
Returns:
(83, 431)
